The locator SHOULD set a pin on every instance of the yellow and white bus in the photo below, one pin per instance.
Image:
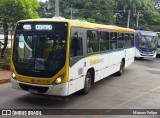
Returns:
(60, 57)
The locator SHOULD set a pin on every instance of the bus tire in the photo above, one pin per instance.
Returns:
(157, 56)
(120, 72)
(87, 84)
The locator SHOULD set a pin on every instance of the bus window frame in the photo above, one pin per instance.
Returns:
(105, 31)
(113, 40)
(97, 31)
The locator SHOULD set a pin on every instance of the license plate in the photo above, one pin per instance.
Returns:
(33, 91)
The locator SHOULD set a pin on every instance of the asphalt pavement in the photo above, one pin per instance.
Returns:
(137, 88)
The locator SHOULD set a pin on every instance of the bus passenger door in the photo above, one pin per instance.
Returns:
(76, 69)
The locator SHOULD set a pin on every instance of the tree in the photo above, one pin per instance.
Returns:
(99, 11)
(110, 12)
(150, 17)
(46, 10)
(126, 8)
(14, 10)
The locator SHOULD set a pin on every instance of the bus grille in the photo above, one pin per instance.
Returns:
(146, 55)
(29, 87)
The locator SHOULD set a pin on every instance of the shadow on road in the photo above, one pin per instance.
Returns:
(47, 101)
(144, 59)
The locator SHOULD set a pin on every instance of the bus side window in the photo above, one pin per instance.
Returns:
(132, 39)
(121, 41)
(92, 41)
(113, 40)
(104, 41)
(127, 40)
(76, 47)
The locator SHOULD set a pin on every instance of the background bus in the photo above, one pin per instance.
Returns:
(146, 44)
(60, 57)
(158, 45)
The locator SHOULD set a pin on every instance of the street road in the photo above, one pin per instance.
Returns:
(137, 88)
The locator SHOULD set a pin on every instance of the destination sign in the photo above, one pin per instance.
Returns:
(43, 27)
(27, 27)
(40, 26)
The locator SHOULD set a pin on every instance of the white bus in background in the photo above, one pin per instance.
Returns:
(145, 44)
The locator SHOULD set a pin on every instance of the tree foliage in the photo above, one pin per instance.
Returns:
(149, 15)
(14, 10)
(100, 11)
(108, 11)
(46, 10)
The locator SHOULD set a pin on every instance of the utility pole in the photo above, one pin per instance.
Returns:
(56, 8)
(138, 14)
(129, 14)
(71, 13)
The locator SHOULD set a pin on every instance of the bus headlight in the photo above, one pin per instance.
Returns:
(59, 79)
(13, 75)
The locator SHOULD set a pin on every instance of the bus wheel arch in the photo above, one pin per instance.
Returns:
(89, 80)
(92, 72)
(123, 60)
(120, 72)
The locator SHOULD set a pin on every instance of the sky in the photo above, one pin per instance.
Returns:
(42, 0)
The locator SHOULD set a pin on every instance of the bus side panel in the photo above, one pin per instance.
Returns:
(100, 64)
(137, 53)
(130, 54)
(76, 77)
(104, 66)
(115, 61)
(77, 68)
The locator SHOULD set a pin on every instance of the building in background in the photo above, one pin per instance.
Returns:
(2, 39)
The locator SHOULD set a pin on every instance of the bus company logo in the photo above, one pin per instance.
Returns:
(96, 61)
(6, 112)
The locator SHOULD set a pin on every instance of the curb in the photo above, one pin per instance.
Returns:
(5, 80)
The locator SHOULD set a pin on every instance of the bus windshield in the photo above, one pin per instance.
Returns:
(148, 42)
(39, 50)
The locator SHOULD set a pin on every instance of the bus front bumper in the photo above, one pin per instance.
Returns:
(57, 90)
(139, 54)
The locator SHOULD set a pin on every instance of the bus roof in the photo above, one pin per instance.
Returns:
(147, 33)
(79, 23)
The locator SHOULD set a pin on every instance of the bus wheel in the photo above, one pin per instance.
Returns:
(157, 56)
(120, 72)
(87, 84)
